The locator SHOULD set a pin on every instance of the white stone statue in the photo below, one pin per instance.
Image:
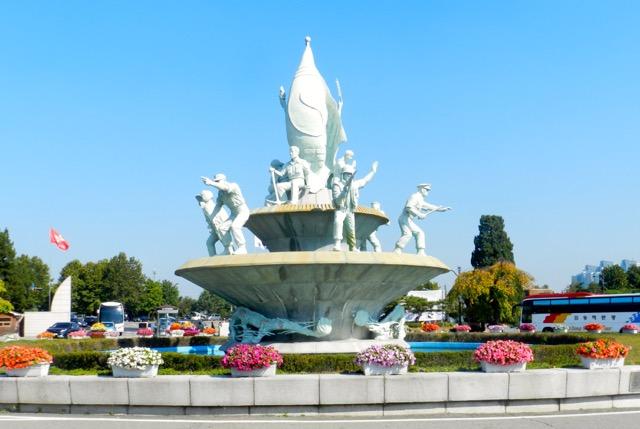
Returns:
(295, 175)
(218, 225)
(391, 327)
(230, 195)
(313, 117)
(373, 238)
(272, 197)
(413, 208)
(346, 159)
(345, 192)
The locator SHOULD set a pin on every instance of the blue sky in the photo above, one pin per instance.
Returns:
(111, 111)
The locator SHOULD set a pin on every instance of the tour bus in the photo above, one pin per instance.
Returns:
(549, 312)
(112, 312)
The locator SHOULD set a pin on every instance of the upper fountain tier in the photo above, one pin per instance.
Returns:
(297, 227)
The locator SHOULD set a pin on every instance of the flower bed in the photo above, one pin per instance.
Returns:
(386, 359)
(512, 355)
(604, 348)
(134, 357)
(496, 328)
(630, 328)
(78, 334)
(527, 327)
(429, 327)
(15, 358)
(593, 327)
(191, 332)
(249, 357)
(46, 335)
(145, 332)
(461, 328)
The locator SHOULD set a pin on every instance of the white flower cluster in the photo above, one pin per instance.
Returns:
(135, 358)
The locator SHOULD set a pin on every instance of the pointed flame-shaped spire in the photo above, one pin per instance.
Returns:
(307, 63)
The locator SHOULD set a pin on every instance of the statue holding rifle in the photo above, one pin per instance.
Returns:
(416, 207)
(345, 192)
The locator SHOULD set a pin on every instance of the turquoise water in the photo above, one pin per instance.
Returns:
(422, 347)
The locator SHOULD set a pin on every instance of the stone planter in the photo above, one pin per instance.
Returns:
(629, 331)
(590, 363)
(145, 336)
(267, 371)
(78, 338)
(528, 332)
(176, 333)
(373, 369)
(595, 331)
(516, 367)
(149, 371)
(39, 370)
(97, 334)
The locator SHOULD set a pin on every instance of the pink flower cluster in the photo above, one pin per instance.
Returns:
(462, 328)
(247, 357)
(631, 327)
(146, 332)
(527, 327)
(503, 352)
(387, 355)
(191, 332)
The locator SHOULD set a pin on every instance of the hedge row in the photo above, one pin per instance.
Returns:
(481, 337)
(310, 363)
(98, 344)
(545, 357)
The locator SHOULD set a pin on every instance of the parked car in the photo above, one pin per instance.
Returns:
(90, 320)
(62, 329)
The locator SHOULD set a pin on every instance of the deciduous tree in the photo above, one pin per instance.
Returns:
(613, 278)
(490, 294)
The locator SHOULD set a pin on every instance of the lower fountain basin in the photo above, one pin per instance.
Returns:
(307, 286)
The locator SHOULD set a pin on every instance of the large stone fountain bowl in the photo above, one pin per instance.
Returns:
(307, 286)
(307, 227)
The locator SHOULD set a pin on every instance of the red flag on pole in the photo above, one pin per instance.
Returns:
(58, 240)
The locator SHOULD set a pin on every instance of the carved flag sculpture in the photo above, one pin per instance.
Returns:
(58, 240)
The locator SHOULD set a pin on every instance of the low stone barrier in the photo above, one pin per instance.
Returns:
(533, 391)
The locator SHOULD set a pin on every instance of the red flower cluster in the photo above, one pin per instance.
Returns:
(247, 357)
(594, 327)
(603, 348)
(15, 357)
(429, 327)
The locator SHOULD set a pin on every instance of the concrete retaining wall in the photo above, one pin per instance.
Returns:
(416, 393)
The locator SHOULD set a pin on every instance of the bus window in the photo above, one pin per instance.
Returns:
(636, 299)
(541, 302)
(620, 300)
(578, 301)
(559, 301)
(599, 301)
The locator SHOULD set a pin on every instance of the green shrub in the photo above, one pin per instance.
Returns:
(88, 360)
(319, 363)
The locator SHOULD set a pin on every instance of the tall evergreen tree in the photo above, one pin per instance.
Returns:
(492, 244)
(7, 255)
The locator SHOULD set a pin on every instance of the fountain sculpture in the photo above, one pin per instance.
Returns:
(313, 291)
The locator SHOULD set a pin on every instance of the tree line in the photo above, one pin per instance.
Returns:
(613, 279)
(25, 283)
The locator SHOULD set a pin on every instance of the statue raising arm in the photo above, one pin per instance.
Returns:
(366, 179)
